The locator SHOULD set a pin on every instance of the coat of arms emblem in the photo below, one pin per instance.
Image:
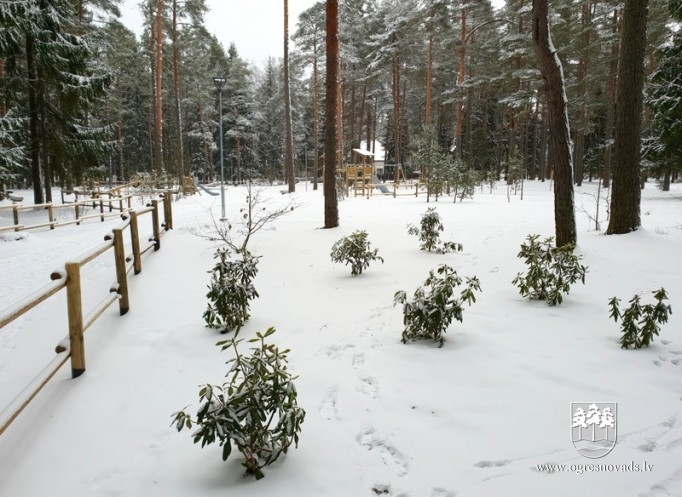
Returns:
(593, 428)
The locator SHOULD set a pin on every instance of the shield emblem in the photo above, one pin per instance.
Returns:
(594, 428)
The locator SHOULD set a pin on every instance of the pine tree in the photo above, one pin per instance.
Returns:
(625, 194)
(664, 98)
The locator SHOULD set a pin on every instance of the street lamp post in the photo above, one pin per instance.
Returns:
(219, 82)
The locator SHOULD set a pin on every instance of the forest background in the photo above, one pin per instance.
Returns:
(83, 99)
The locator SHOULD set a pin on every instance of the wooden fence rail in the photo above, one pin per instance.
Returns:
(69, 278)
(114, 205)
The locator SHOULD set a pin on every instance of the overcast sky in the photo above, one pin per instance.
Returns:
(255, 26)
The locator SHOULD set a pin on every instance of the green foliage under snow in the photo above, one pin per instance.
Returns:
(256, 409)
(435, 305)
(428, 232)
(551, 270)
(639, 323)
(355, 250)
(231, 289)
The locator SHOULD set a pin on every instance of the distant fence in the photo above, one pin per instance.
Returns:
(113, 206)
(69, 278)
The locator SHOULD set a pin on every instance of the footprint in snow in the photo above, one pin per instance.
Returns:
(492, 464)
(391, 456)
(328, 409)
(369, 386)
(441, 492)
(358, 360)
(336, 350)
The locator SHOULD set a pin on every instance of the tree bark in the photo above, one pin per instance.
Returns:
(176, 92)
(610, 104)
(316, 118)
(460, 82)
(560, 141)
(288, 138)
(625, 191)
(429, 77)
(33, 116)
(331, 206)
(158, 88)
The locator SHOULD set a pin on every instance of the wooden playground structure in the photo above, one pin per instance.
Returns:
(362, 179)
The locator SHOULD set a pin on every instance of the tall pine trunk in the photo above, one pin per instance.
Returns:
(316, 119)
(33, 117)
(331, 206)
(560, 135)
(158, 88)
(625, 191)
(288, 137)
(176, 92)
(460, 83)
(610, 104)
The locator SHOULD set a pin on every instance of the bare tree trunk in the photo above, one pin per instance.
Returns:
(331, 205)
(316, 119)
(339, 126)
(361, 113)
(611, 104)
(543, 146)
(460, 82)
(158, 88)
(288, 137)
(560, 141)
(579, 145)
(176, 92)
(396, 116)
(429, 77)
(625, 191)
(33, 117)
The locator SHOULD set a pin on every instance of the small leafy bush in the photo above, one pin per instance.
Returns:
(256, 410)
(639, 323)
(435, 305)
(429, 233)
(231, 289)
(551, 270)
(355, 250)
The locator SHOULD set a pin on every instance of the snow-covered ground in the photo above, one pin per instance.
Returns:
(474, 418)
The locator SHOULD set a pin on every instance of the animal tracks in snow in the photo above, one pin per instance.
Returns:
(391, 456)
(674, 357)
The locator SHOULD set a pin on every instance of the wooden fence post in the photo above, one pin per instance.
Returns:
(101, 208)
(77, 205)
(121, 271)
(155, 221)
(50, 213)
(135, 240)
(75, 313)
(168, 210)
(15, 214)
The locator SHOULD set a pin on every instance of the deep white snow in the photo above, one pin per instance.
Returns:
(472, 419)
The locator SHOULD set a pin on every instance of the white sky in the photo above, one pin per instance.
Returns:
(256, 27)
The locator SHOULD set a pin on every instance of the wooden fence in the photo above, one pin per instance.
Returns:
(114, 207)
(69, 279)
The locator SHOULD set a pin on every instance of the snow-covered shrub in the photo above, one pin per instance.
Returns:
(231, 289)
(435, 304)
(639, 323)
(551, 270)
(355, 250)
(256, 410)
(428, 232)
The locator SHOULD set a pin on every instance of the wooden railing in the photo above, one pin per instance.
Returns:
(69, 278)
(114, 207)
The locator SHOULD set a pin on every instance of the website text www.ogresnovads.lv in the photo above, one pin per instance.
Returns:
(631, 467)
